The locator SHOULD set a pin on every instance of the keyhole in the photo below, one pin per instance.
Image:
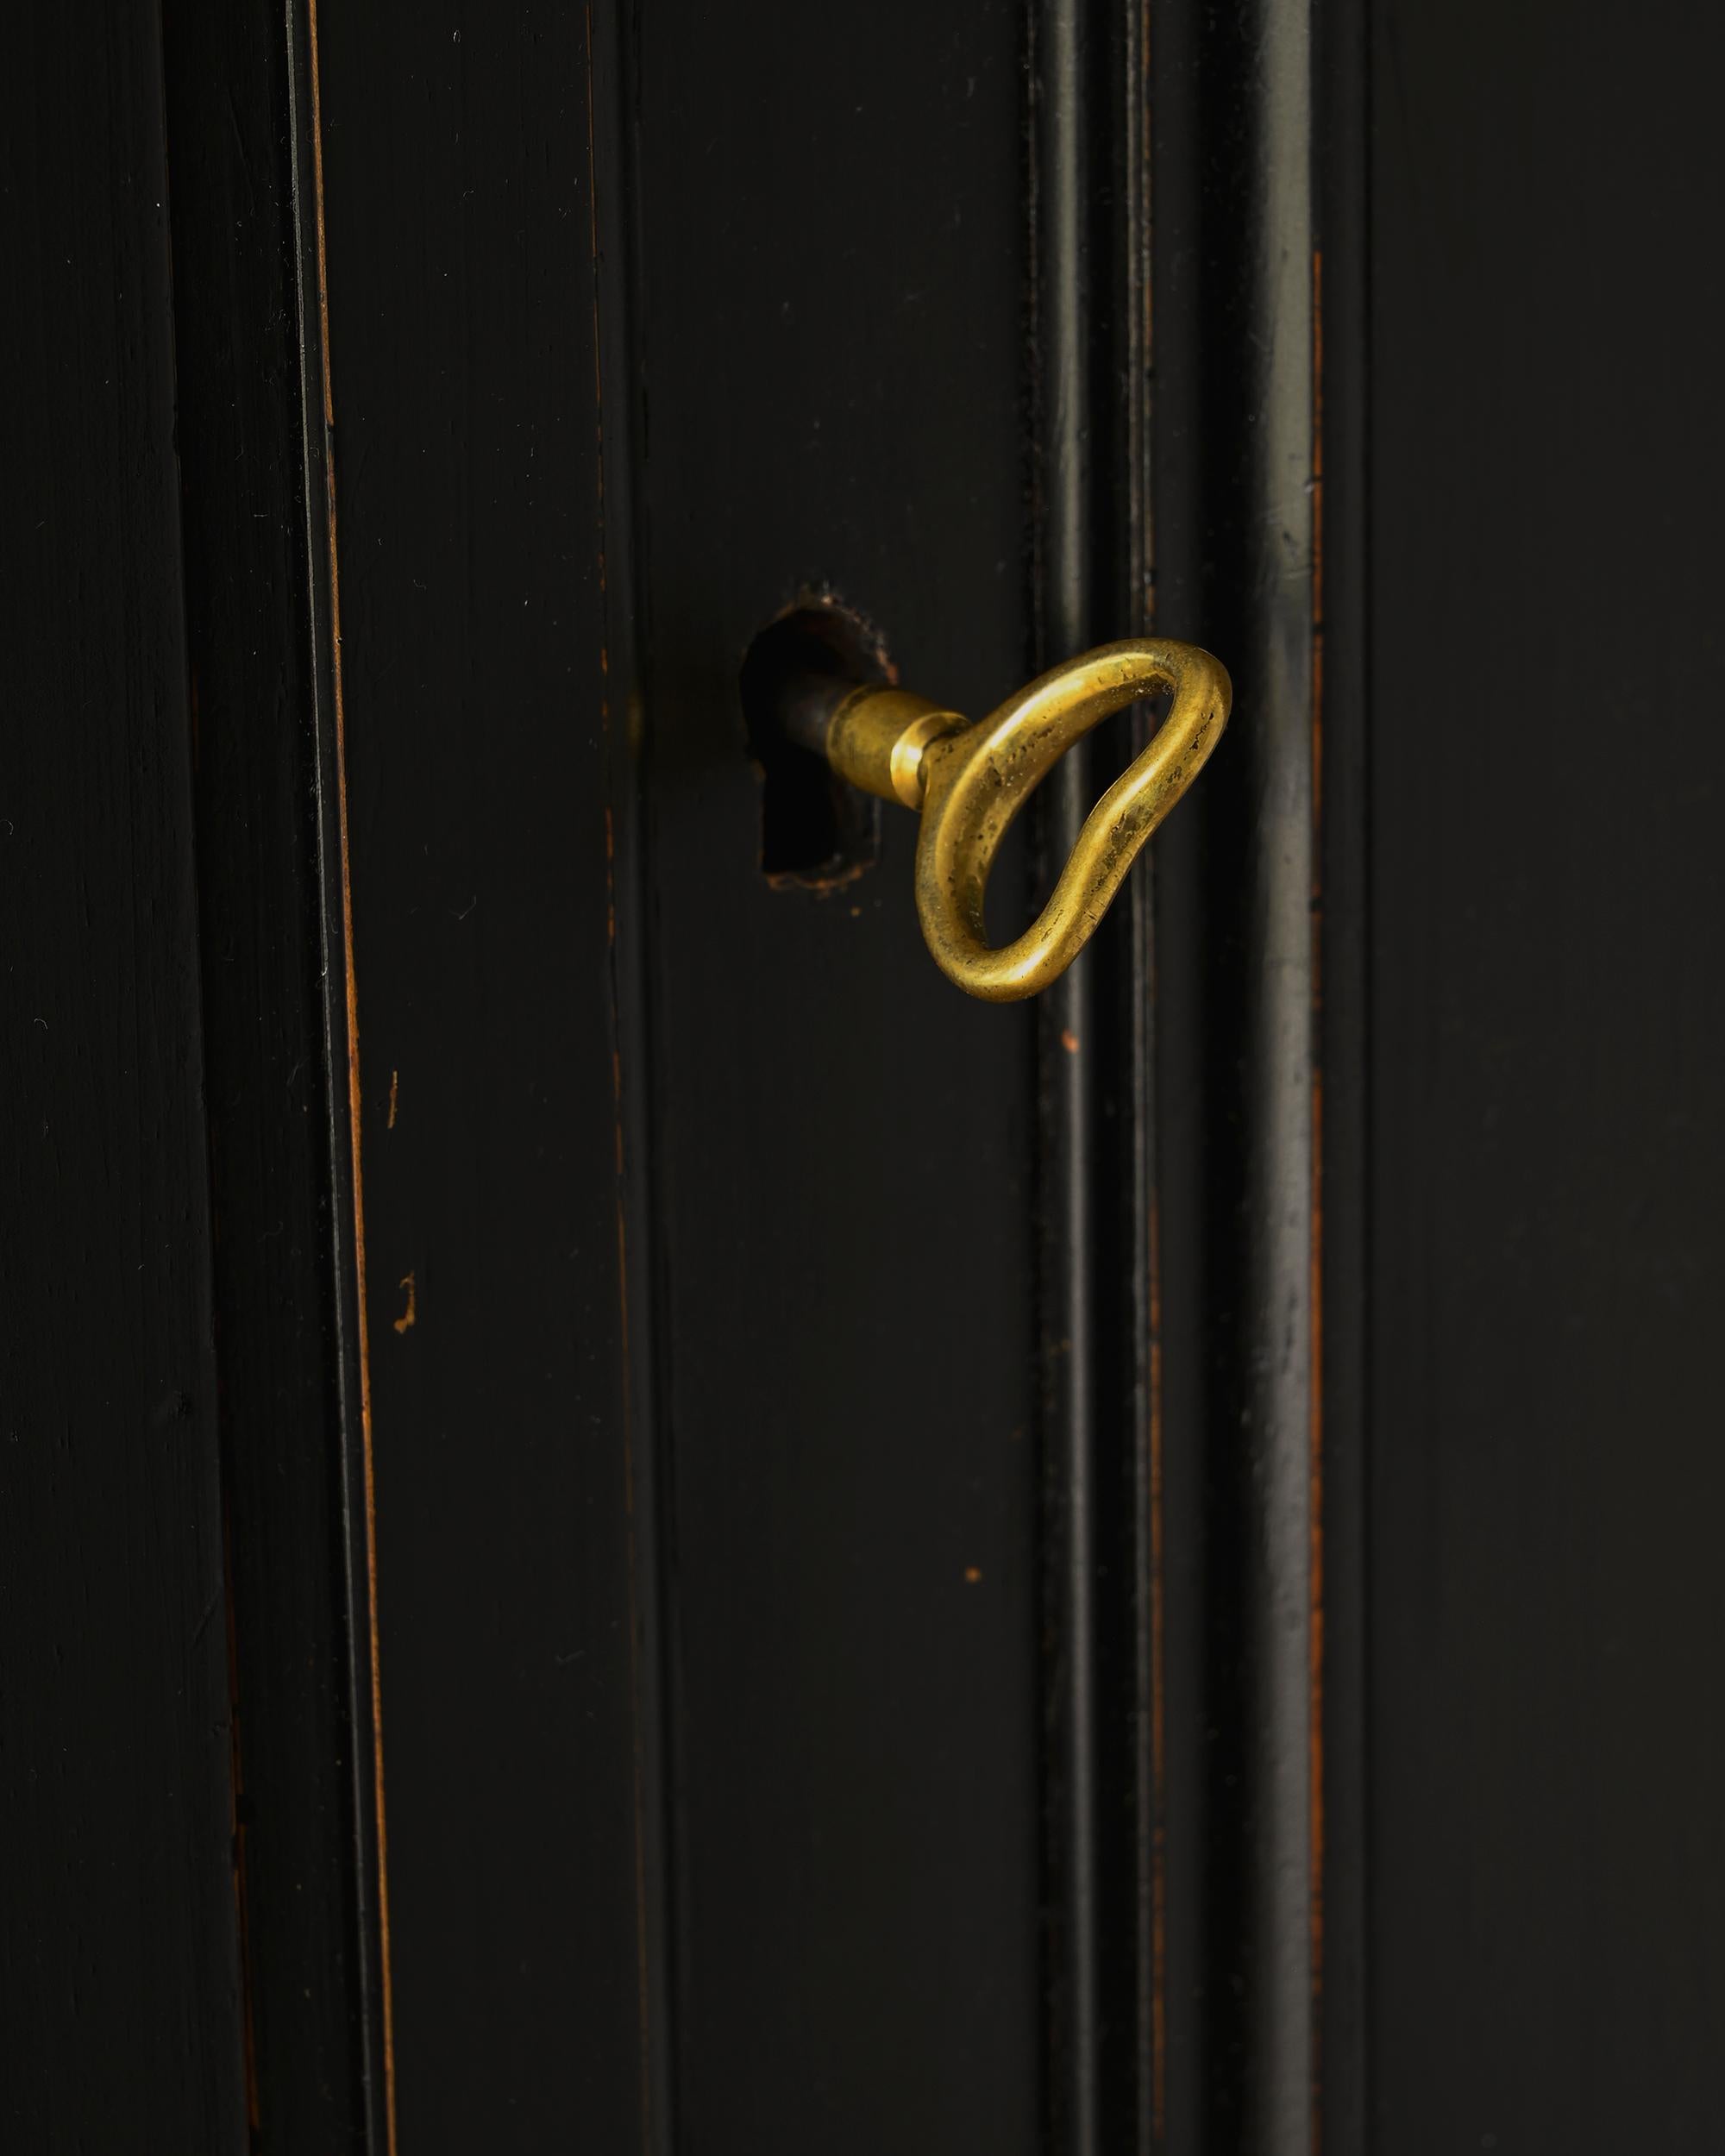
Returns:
(816, 831)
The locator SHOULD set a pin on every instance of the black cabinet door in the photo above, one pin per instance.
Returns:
(631, 1524)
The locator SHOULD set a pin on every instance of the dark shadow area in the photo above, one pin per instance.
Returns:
(816, 830)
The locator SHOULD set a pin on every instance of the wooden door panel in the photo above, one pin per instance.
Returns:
(1546, 1772)
(831, 361)
(631, 1523)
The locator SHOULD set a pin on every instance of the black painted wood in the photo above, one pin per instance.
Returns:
(832, 341)
(246, 337)
(121, 2004)
(1341, 111)
(1547, 1761)
(836, 1445)
(486, 681)
(1235, 458)
(1090, 205)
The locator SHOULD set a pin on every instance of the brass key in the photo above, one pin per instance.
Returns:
(971, 780)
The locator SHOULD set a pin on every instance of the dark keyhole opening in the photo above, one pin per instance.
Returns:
(816, 831)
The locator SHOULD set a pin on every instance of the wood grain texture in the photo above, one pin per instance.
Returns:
(121, 2003)
(1548, 914)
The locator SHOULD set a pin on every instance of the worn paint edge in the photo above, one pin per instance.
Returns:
(355, 1101)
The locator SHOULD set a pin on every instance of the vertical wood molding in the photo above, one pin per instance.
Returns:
(248, 346)
(1090, 212)
(1236, 463)
(341, 1049)
(1066, 609)
(616, 249)
(1277, 562)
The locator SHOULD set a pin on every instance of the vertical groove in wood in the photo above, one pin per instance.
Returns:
(1235, 438)
(1090, 296)
(350, 1035)
(244, 294)
(616, 248)
(1067, 1044)
(339, 973)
